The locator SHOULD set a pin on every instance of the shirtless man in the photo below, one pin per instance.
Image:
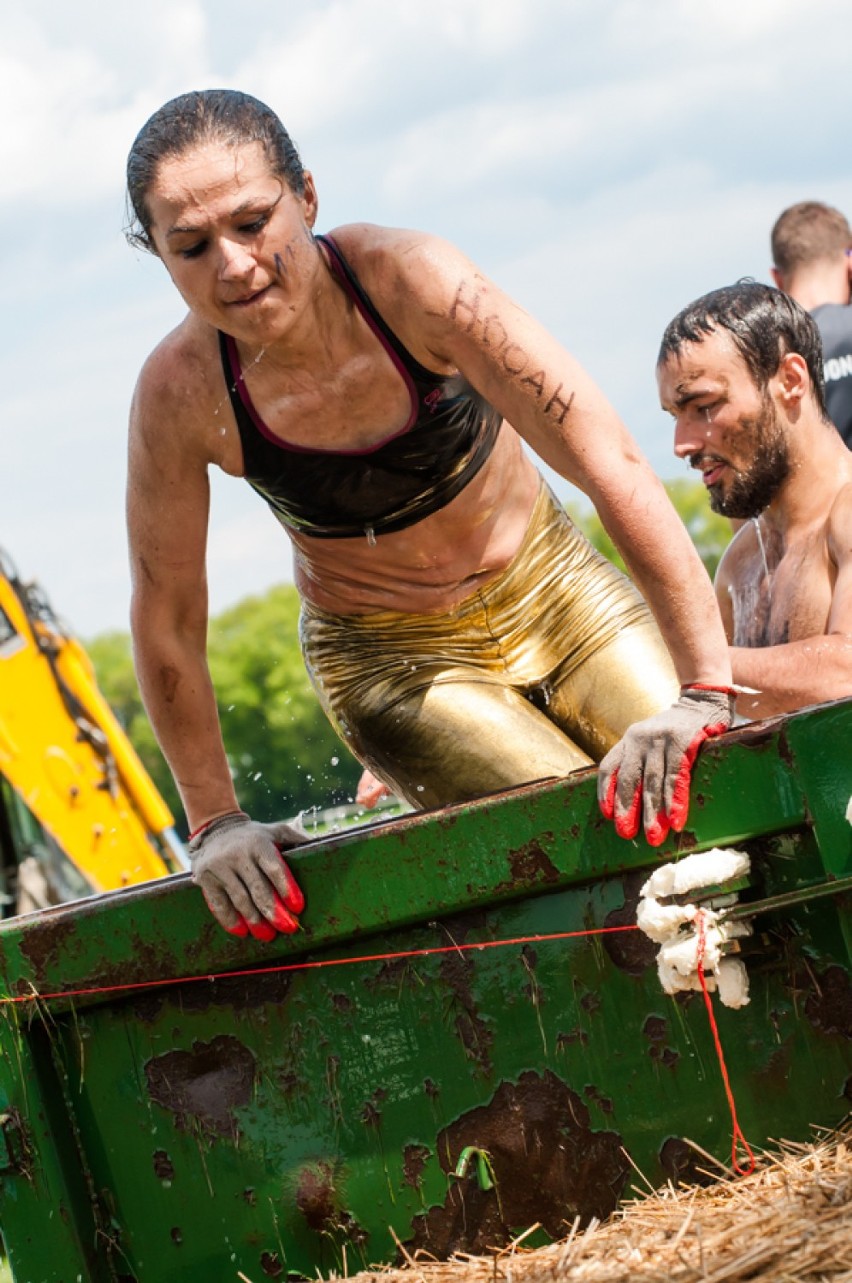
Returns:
(740, 371)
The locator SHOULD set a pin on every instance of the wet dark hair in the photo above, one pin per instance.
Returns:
(765, 325)
(203, 116)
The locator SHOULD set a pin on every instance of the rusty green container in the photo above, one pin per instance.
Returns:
(420, 1066)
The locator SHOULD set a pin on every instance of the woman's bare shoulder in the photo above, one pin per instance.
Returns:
(413, 278)
(179, 395)
(402, 254)
(179, 365)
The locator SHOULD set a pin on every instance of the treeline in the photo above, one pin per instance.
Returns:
(284, 755)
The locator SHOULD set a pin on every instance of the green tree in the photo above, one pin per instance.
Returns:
(709, 532)
(112, 659)
(284, 755)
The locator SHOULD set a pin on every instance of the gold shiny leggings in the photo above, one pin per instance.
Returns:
(536, 674)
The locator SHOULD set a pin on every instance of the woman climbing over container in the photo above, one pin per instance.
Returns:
(376, 389)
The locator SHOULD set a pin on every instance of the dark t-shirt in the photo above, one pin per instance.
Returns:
(835, 326)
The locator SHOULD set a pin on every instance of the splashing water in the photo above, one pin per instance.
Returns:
(762, 547)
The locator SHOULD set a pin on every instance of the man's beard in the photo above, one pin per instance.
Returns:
(753, 489)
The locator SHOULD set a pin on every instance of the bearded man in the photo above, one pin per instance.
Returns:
(741, 372)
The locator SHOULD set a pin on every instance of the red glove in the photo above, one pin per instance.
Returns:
(247, 885)
(648, 770)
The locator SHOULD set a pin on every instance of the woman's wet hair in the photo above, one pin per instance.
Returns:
(191, 120)
(765, 325)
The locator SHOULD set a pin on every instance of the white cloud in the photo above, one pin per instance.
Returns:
(605, 160)
(80, 83)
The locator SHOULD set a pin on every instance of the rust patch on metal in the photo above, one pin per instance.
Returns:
(631, 951)
(575, 1035)
(319, 1199)
(683, 1165)
(371, 1114)
(392, 972)
(270, 1263)
(56, 935)
(414, 1159)
(530, 865)
(164, 1168)
(243, 993)
(456, 971)
(289, 1082)
(204, 1086)
(43, 943)
(590, 1002)
(596, 1096)
(548, 1164)
(655, 1029)
(317, 1196)
(829, 1003)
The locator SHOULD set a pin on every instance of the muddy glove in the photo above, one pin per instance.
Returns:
(248, 888)
(647, 772)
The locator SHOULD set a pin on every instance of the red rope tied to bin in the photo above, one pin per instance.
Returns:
(316, 964)
(737, 1137)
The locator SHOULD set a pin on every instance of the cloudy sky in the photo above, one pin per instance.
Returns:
(604, 160)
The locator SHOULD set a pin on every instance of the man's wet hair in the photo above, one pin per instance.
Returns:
(191, 120)
(808, 233)
(765, 325)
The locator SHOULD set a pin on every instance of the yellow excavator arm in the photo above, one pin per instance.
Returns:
(79, 811)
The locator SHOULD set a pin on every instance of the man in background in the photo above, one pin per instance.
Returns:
(813, 264)
(740, 371)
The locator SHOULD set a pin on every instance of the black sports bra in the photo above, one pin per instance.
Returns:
(340, 494)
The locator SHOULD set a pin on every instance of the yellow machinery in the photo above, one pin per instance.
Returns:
(78, 811)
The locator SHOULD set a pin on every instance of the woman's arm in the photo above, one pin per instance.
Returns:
(167, 514)
(553, 403)
(455, 316)
(235, 861)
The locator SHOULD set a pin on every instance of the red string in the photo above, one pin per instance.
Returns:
(306, 966)
(737, 1135)
(424, 953)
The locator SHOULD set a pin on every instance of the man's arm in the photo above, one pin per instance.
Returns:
(812, 670)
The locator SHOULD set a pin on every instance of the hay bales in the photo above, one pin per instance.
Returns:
(788, 1222)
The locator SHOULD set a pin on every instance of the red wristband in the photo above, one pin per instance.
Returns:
(212, 820)
(705, 686)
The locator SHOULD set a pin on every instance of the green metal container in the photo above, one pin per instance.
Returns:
(417, 1066)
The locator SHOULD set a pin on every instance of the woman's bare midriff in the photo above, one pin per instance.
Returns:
(429, 567)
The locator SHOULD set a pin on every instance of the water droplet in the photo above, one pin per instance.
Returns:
(335, 761)
(371, 536)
